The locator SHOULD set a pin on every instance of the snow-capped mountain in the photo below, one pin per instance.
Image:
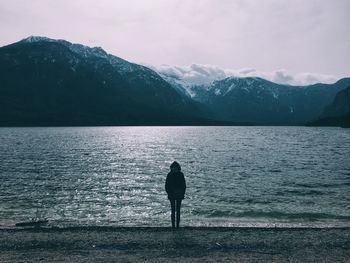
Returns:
(86, 52)
(261, 101)
(55, 82)
(256, 100)
(184, 78)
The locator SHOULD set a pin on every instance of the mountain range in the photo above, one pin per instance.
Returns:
(54, 82)
(259, 101)
(46, 82)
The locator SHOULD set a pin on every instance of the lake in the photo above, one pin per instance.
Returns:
(236, 176)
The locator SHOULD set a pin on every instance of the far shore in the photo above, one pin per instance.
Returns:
(188, 244)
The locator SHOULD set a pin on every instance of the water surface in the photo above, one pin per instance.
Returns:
(236, 176)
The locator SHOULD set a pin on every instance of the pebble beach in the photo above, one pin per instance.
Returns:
(188, 244)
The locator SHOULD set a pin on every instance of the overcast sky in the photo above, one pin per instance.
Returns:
(294, 36)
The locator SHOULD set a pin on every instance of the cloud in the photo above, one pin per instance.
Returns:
(197, 74)
(193, 74)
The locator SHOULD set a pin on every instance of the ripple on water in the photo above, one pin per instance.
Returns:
(235, 175)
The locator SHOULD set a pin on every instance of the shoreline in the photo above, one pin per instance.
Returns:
(164, 228)
(161, 244)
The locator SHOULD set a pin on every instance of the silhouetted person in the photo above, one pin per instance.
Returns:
(175, 186)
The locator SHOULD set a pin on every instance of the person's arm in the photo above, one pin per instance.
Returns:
(167, 184)
(183, 183)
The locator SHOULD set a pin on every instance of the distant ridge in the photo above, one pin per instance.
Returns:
(47, 82)
(337, 113)
(261, 101)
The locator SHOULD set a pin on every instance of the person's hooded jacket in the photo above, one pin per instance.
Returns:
(175, 185)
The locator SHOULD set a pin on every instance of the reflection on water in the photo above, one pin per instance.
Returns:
(235, 175)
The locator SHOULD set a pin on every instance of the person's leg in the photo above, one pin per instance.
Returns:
(178, 207)
(172, 204)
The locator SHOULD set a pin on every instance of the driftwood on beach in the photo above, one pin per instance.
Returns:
(32, 223)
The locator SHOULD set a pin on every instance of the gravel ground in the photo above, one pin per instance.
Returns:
(108, 244)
